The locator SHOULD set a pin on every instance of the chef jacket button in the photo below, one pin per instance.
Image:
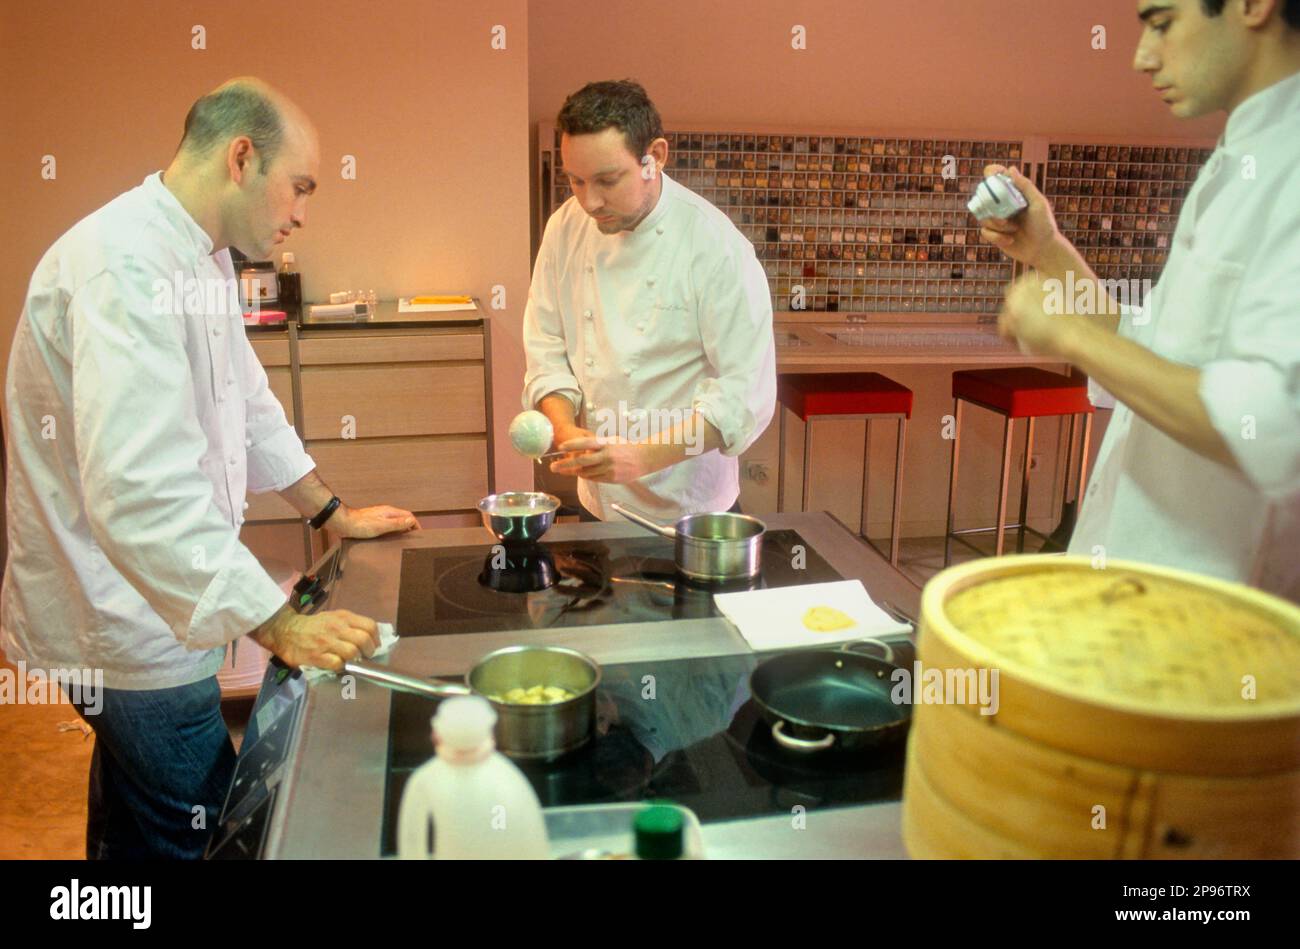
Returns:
(590, 361)
(239, 521)
(233, 462)
(216, 331)
(589, 406)
(659, 230)
(248, 443)
(221, 398)
(650, 281)
(245, 506)
(587, 314)
(640, 327)
(1092, 490)
(590, 268)
(627, 372)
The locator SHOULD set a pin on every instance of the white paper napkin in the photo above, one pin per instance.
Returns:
(773, 618)
(387, 639)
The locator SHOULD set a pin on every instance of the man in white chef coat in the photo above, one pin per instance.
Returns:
(1200, 466)
(648, 329)
(137, 417)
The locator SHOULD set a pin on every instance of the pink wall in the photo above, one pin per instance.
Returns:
(897, 65)
(436, 118)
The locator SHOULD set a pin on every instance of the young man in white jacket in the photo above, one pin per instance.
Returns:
(1200, 466)
(138, 416)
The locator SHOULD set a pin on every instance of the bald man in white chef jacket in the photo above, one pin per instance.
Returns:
(138, 416)
(1200, 466)
(648, 329)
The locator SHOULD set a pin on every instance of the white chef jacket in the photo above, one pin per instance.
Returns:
(1228, 303)
(672, 317)
(133, 430)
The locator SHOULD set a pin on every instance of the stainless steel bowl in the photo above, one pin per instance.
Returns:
(518, 517)
(542, 732)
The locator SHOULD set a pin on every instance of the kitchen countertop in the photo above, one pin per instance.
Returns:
(386, 317)
(330, 798)
(844, 346)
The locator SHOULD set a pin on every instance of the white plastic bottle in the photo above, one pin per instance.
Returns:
(481, 805)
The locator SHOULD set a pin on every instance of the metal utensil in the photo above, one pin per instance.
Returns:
(710, 548)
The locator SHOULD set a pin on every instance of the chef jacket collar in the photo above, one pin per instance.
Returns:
(657, 213)
(197, 237)
(1266, 108)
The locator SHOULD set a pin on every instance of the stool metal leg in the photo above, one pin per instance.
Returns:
(1007, 430)
(866, 467)
(1083, 461)
(1024, 486)
(898, 491)
(807, 461)
(780, 459)
(952, 480)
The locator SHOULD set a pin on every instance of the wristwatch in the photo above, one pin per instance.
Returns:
(319, 520)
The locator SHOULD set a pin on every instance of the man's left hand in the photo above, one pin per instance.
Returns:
(373, 521)
(1024, 318)
(614, 462)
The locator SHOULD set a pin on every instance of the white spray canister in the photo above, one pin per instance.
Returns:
(480, 804)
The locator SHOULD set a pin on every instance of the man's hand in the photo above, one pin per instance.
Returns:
(374, 521)
(1024, 318)
(614, 462)
(323, 640)
(1031, 235)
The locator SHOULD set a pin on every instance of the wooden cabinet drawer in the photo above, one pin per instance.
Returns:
(426, 474)
(269, 507)
(271, 352)
(393, 400)
(353, 349)
(280, 382)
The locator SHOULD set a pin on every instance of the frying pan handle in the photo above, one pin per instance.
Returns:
(889, 650)
(800, 744)
(644, 521)
(404, 683)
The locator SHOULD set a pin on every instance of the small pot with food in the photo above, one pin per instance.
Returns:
(545, 696)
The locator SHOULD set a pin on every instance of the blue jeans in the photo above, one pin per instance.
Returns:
(162, 764)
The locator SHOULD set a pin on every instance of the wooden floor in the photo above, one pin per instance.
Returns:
(43, 772)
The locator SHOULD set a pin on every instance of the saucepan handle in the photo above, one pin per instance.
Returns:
(637, 518)
(800, 744)
(404, 683)
(880, 643)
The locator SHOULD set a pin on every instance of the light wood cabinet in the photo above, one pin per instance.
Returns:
(391, 416)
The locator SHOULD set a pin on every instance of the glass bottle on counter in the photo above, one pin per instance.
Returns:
(481, 805)
(289, 286)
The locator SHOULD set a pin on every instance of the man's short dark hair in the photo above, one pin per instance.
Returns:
(1290, 10)
(621, 104)
(234, 109)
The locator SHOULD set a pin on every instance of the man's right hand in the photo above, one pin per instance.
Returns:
(324, 640)
(1032, 234)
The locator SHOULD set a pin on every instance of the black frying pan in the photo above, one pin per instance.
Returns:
(818, 699)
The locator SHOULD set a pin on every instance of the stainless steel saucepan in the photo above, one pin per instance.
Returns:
(535, 732)
(711, 548)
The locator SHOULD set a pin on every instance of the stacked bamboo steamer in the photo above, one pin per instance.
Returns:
(1142, 712)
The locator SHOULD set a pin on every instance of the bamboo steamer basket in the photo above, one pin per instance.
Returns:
(1141, 712)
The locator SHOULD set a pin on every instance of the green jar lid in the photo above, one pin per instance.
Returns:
(659, 832)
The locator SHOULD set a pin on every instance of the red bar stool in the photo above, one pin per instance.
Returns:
(844, 395)
(1027, 393)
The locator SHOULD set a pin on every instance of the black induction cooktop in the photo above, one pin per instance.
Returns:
(448, 590)
(684, 730)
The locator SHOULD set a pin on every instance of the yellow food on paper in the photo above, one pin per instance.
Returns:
(534, 695)
(827, 619)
